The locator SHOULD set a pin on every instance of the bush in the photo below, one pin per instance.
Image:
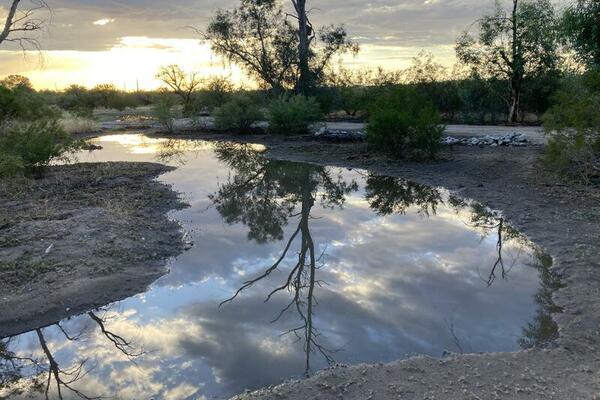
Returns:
(573, 126)
(164, 112)
(238, 114)
(22, 104)
(28, 147)
(405, 124)
(215, 93)
(293, 115)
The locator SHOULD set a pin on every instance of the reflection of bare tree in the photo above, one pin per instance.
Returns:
(264, 196)
(542, 330)
(120, 343)
(61, 379)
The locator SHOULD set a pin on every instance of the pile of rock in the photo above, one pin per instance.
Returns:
(510, 139)
(333, 135)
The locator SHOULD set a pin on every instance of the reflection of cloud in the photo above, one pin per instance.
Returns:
(394, 285)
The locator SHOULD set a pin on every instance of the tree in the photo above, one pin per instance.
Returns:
(512, 46)
(182, 84)
(258, 36)
(12, 82)
(581, 25)
(20, 23)
(305, 37)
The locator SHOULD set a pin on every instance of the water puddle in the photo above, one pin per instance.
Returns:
(294, 267)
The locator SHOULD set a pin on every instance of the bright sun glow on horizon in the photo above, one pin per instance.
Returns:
(134, 62)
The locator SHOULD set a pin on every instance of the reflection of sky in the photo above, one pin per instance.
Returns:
(396, 285)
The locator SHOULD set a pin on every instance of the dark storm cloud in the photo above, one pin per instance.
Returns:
(409, 23)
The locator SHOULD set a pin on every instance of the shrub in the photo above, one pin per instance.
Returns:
(11, 165)
(164, 112)
(74, 124)
(238, 114)
(573, 127)
(22, 104)
(215, 92)
(28, 147)
(405, 124)
(293, 115)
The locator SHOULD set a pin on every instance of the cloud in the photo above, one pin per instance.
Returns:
(104, 21)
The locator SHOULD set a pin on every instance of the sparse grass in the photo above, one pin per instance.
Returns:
(74, 124)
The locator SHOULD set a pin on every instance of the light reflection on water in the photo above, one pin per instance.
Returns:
(371, 269)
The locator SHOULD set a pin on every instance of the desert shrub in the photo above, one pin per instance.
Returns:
(30, 146)
(405, 124)
(22, 104)
(293, 115)
(164, 112)
(217, 91)
(573, 127)
(238, 114)
(11, 165)
(78, 100)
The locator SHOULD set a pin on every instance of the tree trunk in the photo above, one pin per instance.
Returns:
(516, 68)
(304, 80)
(513, 111)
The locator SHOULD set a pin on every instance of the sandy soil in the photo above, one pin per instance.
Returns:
(83, 236)
(563, 219)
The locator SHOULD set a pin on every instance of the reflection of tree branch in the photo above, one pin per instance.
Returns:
(119, 342)
(61, 377)
(251, 282)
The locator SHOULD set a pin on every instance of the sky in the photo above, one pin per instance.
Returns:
(122, 42)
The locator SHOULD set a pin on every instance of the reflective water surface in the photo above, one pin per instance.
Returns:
(294, 267)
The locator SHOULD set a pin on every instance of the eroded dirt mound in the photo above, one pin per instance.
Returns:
(82, 236)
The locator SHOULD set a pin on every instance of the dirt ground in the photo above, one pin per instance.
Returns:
(81, 237)
(563, 219)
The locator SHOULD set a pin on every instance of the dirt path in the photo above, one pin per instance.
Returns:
(83, 236)
(564, 220)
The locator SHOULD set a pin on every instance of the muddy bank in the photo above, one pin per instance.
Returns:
(563, 219)
(83, 236)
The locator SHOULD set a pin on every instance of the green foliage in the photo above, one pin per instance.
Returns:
(78, 100)
(238, 114)
(23, 104)
(215, 92)
(512, 47)
(164, 112)
(30, 146)
(573, 125)
(405, 124)
(108, 96)
(582, 29)
(293, 115)
(259, 37)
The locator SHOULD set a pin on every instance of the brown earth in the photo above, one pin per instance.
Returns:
(80, 237)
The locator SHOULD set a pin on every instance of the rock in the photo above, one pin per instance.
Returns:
(510, 139)
(339, 135)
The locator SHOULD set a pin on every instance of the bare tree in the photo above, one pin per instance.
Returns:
(182, 84)
(21, 22)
